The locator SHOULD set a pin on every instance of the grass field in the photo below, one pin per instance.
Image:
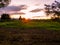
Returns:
(31, 32)
(29, 24)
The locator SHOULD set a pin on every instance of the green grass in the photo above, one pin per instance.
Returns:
(34, 36)
(49, 25)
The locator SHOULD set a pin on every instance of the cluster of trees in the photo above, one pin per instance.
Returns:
(54, 9)
(4, 3)
(6, 17)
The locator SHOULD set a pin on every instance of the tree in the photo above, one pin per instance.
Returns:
(56, 9)
(53, 8)
(4, 3)
(5, 17)
(58, 4)
(47, 9)
(20, 18)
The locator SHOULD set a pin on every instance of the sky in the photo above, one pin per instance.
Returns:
(31, 2)
(31, 8)
(16, 5)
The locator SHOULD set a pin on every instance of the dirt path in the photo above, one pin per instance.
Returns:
(15, 36)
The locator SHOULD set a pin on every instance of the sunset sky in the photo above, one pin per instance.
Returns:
(31, 2)
(31, 8)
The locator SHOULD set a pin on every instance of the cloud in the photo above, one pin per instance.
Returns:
(36, 10)
(21, 13)
(10, 8)
(13, 9)
(37, 4)
(23, 7)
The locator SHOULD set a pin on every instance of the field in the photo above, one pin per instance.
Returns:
(29, 24)
(30, 32)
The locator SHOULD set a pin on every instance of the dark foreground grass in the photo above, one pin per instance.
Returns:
(30, 33)
(38, 24)
(16, 36)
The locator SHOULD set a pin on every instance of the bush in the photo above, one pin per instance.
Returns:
(56, 19)
(20, 18)
(5, 17)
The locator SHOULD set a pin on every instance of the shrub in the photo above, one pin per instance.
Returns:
(5, 17)
(56, 19)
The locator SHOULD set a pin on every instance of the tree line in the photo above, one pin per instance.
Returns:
(54, 9)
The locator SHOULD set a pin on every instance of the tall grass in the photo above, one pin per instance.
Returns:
(38, 24)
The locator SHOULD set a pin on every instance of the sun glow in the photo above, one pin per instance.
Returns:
(31, 15)
(15, 16)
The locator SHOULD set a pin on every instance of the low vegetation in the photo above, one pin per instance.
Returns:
(29, 24)
(29, 32)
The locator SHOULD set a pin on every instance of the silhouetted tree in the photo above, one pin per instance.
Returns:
(55, 7)
(58, 4)
(20, 18)
(4, 3)
(5, 17)
(47, 9)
